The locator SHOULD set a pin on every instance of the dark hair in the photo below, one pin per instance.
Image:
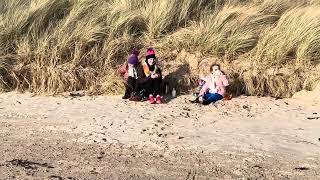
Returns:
(211, 67)
(151, 56)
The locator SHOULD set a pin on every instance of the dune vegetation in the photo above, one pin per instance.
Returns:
(267, 47)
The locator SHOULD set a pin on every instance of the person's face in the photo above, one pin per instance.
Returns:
(151, 61)
(218, 73)
(214, 69)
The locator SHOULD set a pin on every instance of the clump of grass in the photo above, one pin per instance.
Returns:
(232, 31)
(295, 38)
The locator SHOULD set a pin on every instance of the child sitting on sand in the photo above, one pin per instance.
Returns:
(132, 71)
(201, 83)
(154, 77)
(215, 87)
(204, 73)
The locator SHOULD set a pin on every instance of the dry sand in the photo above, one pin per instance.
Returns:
(109, 138)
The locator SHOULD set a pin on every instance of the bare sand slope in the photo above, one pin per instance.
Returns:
(109, 138)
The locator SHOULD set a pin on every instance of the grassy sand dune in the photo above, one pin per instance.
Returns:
(267, 47)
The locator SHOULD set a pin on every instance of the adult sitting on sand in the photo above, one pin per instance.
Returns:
(215, 87)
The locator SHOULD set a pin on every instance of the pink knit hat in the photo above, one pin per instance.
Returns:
(151, 51)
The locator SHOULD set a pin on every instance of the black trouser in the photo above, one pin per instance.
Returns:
(152, 86)
(130, 86)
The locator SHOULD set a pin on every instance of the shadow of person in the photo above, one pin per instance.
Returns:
(179, 80)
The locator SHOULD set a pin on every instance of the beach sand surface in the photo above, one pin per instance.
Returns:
(105, 137)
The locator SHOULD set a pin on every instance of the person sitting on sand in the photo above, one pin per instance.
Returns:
(132, 71)
(201, 83)
(154, 77)
(204, 73)
(214, 88)
(149, 84)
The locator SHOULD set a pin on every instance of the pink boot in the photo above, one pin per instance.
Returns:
(151, 99)
(158, 99)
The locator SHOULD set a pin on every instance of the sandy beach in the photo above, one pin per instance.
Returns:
(65, 65)
(105, 137)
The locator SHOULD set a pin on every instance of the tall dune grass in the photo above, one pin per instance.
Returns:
(268, 47)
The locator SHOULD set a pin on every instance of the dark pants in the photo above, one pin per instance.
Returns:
(211, 98)
(152, 86)
(130, 86)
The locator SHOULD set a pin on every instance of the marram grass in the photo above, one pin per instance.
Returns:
(267, 47)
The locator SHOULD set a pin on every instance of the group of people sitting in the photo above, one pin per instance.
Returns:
(143, 80)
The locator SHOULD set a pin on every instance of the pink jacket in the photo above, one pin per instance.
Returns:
(221, 84)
